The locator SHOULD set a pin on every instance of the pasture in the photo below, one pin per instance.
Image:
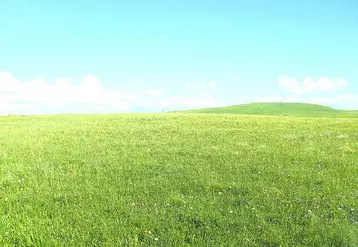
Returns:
(178, 180)
(280, 109)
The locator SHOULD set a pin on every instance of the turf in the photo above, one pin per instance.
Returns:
(280, 109)
(178, 180)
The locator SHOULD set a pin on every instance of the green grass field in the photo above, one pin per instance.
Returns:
(178, 180)
(280, 109)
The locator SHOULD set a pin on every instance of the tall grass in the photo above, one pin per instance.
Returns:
(178, 180)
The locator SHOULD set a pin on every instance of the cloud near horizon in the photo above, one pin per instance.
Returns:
(344, 101)
(88, 95)
(68, 95)
(306, 91)
(309, 85)
(65, 95)
(203, 86)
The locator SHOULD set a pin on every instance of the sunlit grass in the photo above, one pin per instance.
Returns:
(281, 109)
(178, 180)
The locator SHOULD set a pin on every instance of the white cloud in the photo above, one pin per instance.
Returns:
(68, 95)
(233, 77)
(311, 91)
(344, 101)
(309, 85)
(4, 105)
(213, 84)
(154, 92)
(38, 96)
(196, 86)
(179, 103)
(203, 86)
(88, 95)
(8, 83)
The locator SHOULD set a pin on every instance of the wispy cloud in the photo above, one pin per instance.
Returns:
(38, 96)
(88, 95)
(347, 101)
(180, 103)
(324, 91)
(213, 84)
(343, 101)
(203, 86)
(309, 85)
(154, 92)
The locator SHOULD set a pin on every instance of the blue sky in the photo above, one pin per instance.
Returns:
(113, 56)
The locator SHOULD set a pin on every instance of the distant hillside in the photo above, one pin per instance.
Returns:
(279, 109)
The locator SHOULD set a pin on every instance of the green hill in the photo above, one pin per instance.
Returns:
(279, 109)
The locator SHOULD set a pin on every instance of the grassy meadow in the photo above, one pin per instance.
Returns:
(178, 180)
(280, 109)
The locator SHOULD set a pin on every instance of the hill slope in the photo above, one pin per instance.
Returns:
(288, 109)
